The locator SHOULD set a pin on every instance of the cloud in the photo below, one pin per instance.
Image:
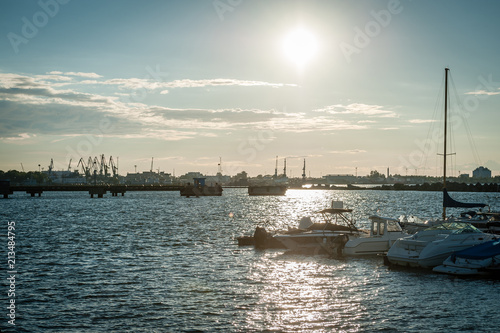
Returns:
(421, 121)
(358, 109)
(35, 105)
(19, 138)
(151, 84)
(349, 151)
(80, 74)
(483, 92)
(222, 82)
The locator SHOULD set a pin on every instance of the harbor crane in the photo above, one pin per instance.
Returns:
(114, 168)
(85, 168)
(98, 165)
(51, 166)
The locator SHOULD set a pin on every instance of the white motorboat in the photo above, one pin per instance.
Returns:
(383, 233)
(326, 237)
(430, 247)
(477, 260)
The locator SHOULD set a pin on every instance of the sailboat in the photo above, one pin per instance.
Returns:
(431, 246)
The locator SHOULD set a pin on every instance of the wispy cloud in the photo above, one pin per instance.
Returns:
(80, 74)
(137, 83)
(348, 151)
(421, 121)
(483, 92)
(40, 105)
(359, 109)
(19, 138)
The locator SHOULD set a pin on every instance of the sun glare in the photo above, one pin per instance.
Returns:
(300, 46)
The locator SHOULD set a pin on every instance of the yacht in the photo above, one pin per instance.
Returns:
(430, 247)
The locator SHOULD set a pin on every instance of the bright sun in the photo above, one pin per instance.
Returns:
(300, 46)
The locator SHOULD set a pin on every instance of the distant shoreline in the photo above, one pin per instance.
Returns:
(450, 186)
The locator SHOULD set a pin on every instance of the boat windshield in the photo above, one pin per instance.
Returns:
(393, 226)
(458, 227)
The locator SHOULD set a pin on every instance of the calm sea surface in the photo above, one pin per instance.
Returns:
(156, 262)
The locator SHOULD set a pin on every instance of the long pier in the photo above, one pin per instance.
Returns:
(99, 190)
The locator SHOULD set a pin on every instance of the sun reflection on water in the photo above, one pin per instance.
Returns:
(299, 293)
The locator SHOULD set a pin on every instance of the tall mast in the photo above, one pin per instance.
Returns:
(276, 168)
(445, 131)
(304, 170)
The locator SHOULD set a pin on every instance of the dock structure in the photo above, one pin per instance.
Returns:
(98, 190)
(5, 188)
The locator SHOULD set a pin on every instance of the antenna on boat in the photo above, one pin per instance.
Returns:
(284, 169)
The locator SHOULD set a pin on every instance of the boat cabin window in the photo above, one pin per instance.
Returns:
(378, 228)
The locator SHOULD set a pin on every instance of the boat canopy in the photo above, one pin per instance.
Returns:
(481, 251)
(450, 202)
(377, 218)
(454, 226)
(335, 210)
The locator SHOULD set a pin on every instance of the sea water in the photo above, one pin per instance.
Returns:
(158, 262)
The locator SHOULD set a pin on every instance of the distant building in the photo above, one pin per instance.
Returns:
(240, 179)
(481, 172)
(148, 177)
(64, 177)
(217, 179)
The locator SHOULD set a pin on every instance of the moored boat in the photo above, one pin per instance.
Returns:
(267, 189)
(383, 233)
(477, 260)
(200, 189)
(326, 237)
(430, 247)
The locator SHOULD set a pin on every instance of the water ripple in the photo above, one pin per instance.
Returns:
(156, 262)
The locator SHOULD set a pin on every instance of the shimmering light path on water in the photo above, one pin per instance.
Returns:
(156, 262)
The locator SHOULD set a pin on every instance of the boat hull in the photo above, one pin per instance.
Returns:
(413, 252)
(367, 246)
(267, 190)
(315, 242)
(205, 191)
(477, 260)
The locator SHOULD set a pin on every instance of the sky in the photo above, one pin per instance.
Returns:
(349, 86)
